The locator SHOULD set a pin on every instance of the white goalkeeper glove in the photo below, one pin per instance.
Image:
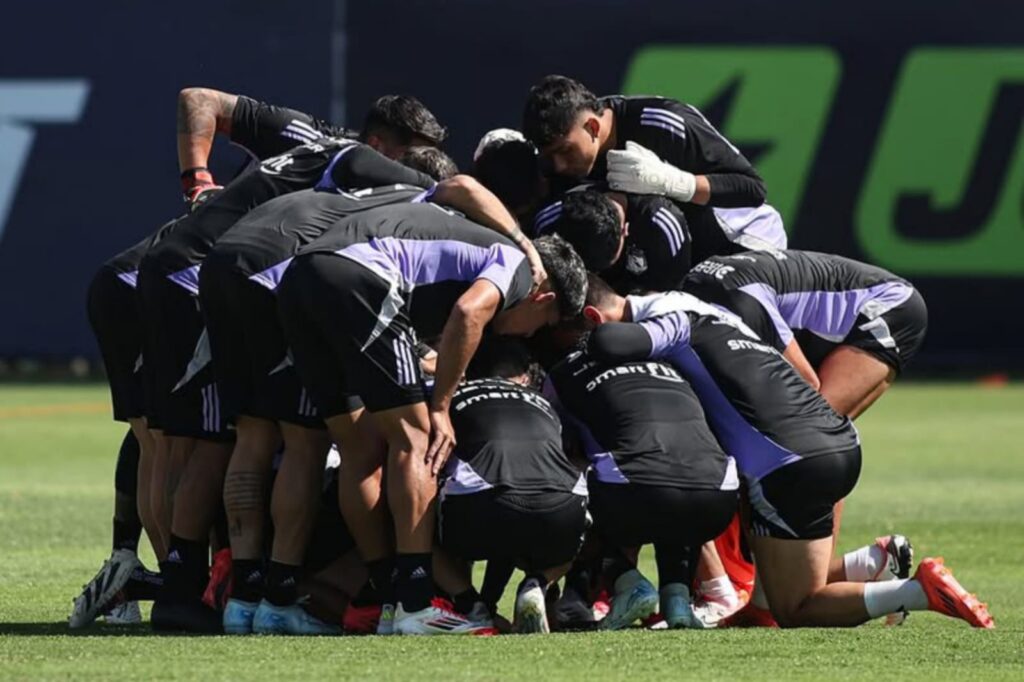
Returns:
(638, 170)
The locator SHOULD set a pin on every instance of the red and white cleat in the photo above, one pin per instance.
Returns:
(440, 618)
(948, 597)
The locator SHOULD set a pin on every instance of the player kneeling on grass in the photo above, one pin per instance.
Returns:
(511, 494)
(849, 328)
(658, 476)
(797, 456)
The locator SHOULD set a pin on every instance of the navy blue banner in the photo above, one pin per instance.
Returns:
(888, 132)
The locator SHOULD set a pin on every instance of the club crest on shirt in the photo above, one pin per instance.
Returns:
(636, 260)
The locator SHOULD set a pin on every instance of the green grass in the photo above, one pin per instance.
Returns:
(943, 464)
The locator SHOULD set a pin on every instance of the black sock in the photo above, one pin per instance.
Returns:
(381, 580)
(615, 564)
(415, 585)
(538, 578)
(186, 569)
(578, 580)
(676, 563)
(465, 601)
(127, 534)
(143, 585)
(248, 576)
(282, 584)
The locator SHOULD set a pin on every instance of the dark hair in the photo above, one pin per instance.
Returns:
(511, 170)
(566, 274)
(552, 107)
(599, 292)
(405, 117)
(430, 160)
(499, 356)
(590, 222)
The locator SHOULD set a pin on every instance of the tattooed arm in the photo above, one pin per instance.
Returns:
(202, 113)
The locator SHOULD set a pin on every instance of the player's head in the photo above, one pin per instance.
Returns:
(397, 122)
(592, 222)
(603, 304)
(563, 119)
(503, 357)
(430, 160)
(560, 297)
(508, 166)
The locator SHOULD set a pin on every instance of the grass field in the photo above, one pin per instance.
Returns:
(944, 464)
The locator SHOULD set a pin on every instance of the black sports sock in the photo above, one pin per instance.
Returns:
(415, 585)
(539, 578)
(127, 525)
(676, 563)
(282, 584)
(127, 534)
(496, 577)
(186, 570)
(248, 577)
(615, 564)
(578, 579)
(381, 580)
(465, 601)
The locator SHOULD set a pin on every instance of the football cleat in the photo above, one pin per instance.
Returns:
(531, 610)
(218, 589)
(238, 616)
(572, 612)
(191, 616)
(440, 618)
(635, 599)
(948, 597)
(289, 620)
(899, 558)
(361, 620)
(98, 595)
(678, 610)
(125, 613)
(386, 624)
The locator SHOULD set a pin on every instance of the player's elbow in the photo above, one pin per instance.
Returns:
(758, 191)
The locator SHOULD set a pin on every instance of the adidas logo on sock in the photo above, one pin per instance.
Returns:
(174, 557)
(418, 573)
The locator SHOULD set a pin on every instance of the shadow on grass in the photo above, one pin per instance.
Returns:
(61, 629)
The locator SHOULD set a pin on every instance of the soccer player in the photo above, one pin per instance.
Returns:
(505, 163)
(393, 125)
(638, 243)
(114, 317)
(658, 476)
(187, 407)
(849, 328)
(352, 304)
(654, 145)
(797, 456)
(510, 494)
(260, 392)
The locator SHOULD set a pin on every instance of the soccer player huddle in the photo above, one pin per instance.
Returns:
(352, 371)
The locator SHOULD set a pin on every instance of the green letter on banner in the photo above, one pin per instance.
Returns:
(951, 107)
(782, 100)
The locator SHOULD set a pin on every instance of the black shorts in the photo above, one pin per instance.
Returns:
(796, 501)
(114, 316)
(182, 392)
(538, 531)
(347, 352)
(630, 514)
(255, 374)
(895, 336)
